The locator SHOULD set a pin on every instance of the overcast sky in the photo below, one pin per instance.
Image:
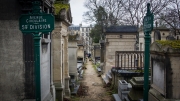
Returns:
(77, 10)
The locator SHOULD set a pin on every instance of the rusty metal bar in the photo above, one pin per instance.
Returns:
(118, 60)
(131, 60)
(121, 60)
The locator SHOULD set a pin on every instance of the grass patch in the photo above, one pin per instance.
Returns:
(84, 66)
(75, 98)
(94, 66)
(97, 64)
(110, 92)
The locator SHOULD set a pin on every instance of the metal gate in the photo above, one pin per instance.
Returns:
(28, 48)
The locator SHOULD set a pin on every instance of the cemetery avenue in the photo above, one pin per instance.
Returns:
(89, 50)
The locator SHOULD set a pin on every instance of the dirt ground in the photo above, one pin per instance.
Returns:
(96, 91)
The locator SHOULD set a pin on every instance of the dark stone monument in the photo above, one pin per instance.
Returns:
(136, 93)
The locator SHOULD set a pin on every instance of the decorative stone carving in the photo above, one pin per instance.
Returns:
(63, 14)
(56, 35)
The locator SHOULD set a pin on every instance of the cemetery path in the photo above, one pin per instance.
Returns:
(96, 91)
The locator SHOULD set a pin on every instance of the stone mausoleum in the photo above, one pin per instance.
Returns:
(118, 38)
(165, 69)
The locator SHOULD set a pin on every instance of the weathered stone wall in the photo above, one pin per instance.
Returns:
(11, 52)
(175, 65)
(115, 43)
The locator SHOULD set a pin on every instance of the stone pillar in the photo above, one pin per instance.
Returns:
(102, 50)
(57, 61)
(66, 67)
(52, 88)
(94, 53)
(102, 56)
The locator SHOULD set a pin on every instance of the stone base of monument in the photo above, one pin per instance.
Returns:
(155, 96)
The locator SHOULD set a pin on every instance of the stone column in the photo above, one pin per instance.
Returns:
(102, 55)
(57, 61)
(102, 50)
(94, 53)
(52, 88)
(66, 67)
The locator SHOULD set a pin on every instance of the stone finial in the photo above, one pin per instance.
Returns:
(156, 24)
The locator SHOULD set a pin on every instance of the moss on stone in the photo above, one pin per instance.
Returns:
(59, 6)
(175, 44)
(73, 37)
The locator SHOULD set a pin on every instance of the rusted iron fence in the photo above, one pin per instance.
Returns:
(129, 60)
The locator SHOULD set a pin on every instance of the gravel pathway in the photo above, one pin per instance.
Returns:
(96, 91)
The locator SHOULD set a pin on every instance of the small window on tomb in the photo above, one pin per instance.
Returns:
(120, 36)
(163, 34)
(177, 37)
(72, 77)
(46, 36)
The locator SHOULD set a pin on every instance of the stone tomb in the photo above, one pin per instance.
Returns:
(165, 65)
(136, 93)
(123, 90)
